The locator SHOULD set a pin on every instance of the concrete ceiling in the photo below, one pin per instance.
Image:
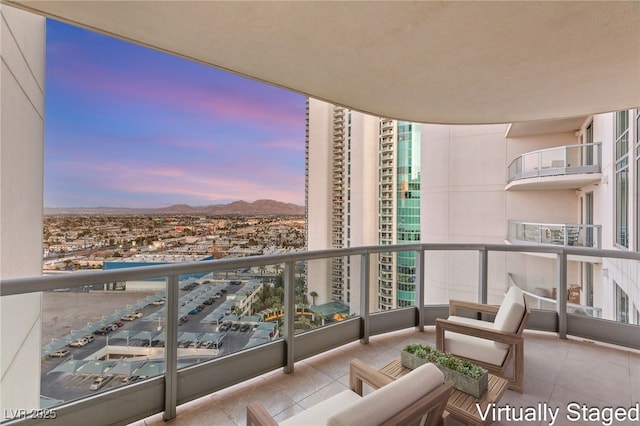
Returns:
(531, 128)
(436, 62)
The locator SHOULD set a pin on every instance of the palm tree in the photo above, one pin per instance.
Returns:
(313, 295)
(277, 268)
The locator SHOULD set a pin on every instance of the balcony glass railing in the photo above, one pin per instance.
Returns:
(283, 328)
(564, 160)
(540, 298)
(560, 234)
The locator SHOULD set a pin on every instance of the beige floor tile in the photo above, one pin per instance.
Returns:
(325, 393)
(304, 381)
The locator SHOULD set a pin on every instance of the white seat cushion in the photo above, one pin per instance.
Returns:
(474, 348)
(319, 414)
(382, 404)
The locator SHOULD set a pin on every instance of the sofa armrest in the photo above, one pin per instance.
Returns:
(443, 325)
(257, 415)
(360, 372)
(454, 305)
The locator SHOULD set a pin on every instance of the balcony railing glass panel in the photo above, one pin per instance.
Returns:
(579, 235)
(445, 281)
(100, 337)
(571, 159)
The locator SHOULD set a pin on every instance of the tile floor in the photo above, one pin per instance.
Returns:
(557, 372)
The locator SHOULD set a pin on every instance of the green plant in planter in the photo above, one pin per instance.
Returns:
(445, 359)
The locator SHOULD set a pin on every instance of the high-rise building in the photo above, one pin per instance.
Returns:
(399, 220)
(363, 189)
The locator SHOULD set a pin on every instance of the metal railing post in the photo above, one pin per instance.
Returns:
(364, 296)
(483, 266)
(171, 349)
(561, 296)
(289, 314)
(420, 287)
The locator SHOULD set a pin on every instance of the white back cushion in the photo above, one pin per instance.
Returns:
(382, 404)
(511, 311)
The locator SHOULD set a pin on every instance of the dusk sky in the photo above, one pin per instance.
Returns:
(128, 126)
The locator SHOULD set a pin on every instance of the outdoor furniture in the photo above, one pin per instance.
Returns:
(461, 406)
(490, 345)
(416, 398)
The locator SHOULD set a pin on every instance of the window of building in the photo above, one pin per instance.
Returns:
(622, 304)
(622, 178)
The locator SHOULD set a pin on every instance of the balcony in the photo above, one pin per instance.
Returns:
(566, 167)
(560, 234)
(290, 373)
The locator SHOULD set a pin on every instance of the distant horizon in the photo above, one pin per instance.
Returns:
(167, 206)
(133, 127)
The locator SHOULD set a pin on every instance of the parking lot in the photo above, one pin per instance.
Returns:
(67, 311)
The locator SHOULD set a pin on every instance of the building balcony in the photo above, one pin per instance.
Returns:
(297, 368)
(566, 167)
(561, 234)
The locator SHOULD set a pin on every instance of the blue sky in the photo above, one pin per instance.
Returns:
(128, 126)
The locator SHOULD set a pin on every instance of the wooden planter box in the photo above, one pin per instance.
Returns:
(466, 384)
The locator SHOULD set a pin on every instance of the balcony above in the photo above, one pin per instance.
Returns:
(554, 234)
(565, 167)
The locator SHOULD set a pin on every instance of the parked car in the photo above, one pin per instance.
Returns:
(235, 326)
(207, 345)
(60, 353)
(245, 327)
(78, 343)
(89, 337)
(183, 319)
(158, 302)
(130, 379)
(128, 317)
(112, 327)
(136, 314)
(103, 331)
(98, 383)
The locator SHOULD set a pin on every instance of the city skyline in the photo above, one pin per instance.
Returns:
(128, 126)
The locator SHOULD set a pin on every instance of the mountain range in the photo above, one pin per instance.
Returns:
(236, 208)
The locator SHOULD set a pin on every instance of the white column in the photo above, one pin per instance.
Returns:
(22, 52)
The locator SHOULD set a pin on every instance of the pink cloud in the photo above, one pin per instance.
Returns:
(154, 90)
